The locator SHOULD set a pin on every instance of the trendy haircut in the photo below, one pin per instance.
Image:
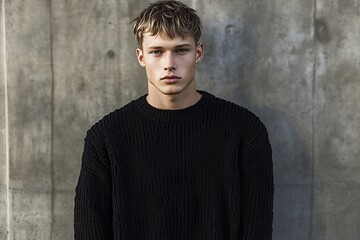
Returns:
(167, 18)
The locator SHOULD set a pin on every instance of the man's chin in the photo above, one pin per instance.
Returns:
(171, 92)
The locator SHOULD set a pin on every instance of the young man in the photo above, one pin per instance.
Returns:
(176, 163)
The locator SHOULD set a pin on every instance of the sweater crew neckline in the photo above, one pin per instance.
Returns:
(142, 105)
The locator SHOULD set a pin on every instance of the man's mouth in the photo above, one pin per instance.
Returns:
(170, 77)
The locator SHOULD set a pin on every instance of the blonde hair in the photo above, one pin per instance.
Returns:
(167, 18)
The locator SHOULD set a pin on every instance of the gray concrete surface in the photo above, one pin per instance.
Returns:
(3, 164)
(294, 63)
(29, 103)
(336, 205)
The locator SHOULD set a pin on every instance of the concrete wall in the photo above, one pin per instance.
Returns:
(65, 64)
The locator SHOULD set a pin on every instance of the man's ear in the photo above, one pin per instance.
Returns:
(140, 56)
(199, 52)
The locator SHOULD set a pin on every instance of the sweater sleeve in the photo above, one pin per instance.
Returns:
(93, 206)
(257, 186)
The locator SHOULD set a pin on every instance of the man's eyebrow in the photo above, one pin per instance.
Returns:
(155, 47)
(183, 45)
(177, 46)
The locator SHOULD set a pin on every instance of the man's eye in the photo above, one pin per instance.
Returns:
(155, 52)
(182, 50)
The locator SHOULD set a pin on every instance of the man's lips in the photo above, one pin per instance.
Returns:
(170, 77)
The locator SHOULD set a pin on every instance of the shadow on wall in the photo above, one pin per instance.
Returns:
(230, 60)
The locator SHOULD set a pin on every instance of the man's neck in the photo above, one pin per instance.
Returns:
(173, 102)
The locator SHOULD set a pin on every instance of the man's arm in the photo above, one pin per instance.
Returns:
(257, 185)
(93, 204)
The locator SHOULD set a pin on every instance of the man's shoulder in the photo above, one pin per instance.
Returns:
(233, 109)
(112, 120)
(236, 114)
(242, 119)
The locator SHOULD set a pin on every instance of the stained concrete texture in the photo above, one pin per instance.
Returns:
(29, 93)
(336, 207)
(68, 63)
(31, 214)
(336, 212)
(3, 162)
(29, 101)
(337, 135)
(2, 114)
(3, 212)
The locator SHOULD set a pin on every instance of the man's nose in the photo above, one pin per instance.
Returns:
(170, 64)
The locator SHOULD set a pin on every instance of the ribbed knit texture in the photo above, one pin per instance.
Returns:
(199, 173)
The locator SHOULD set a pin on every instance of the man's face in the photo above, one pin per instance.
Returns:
(169, 63)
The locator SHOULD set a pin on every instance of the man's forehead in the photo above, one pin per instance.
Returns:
(164, 40)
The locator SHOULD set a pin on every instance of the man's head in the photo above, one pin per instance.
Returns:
(167, 19)
(168, 34)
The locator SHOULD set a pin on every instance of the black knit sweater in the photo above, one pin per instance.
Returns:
(199, 173)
